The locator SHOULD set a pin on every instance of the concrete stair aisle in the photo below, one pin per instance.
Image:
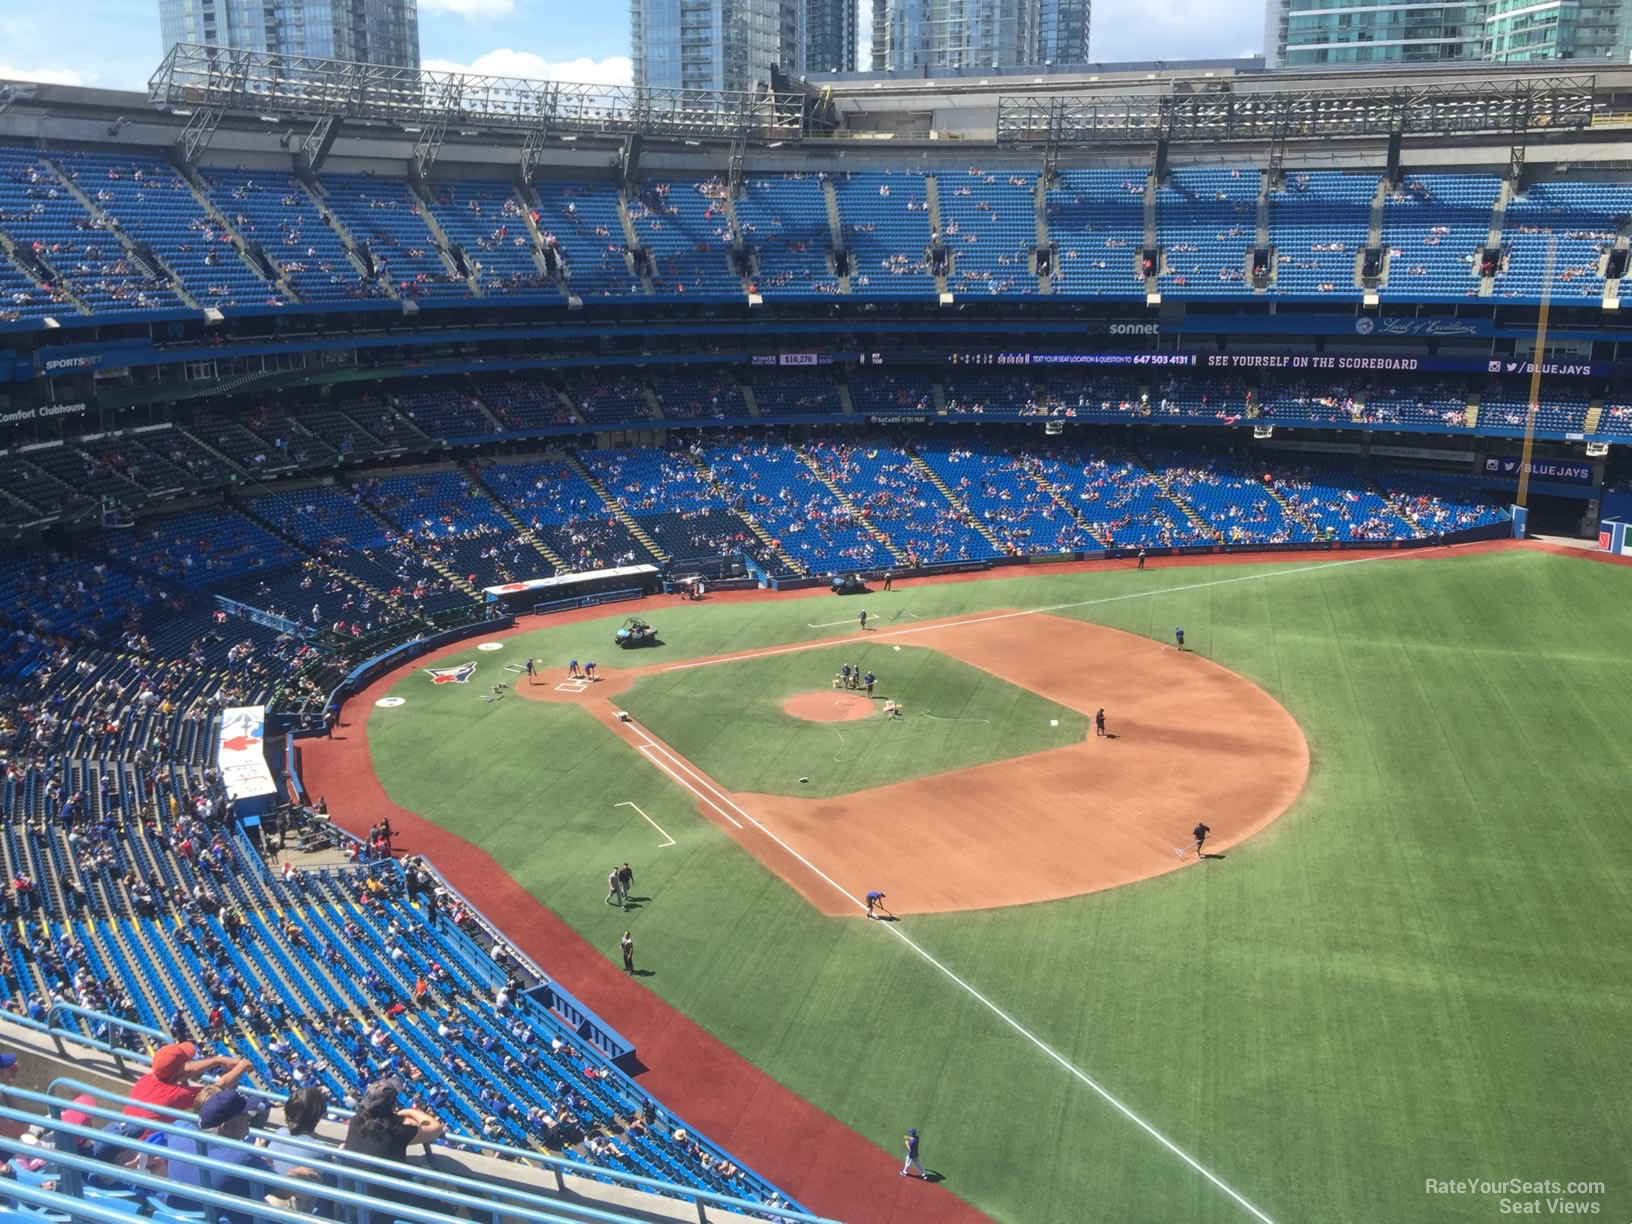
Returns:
(729, 496)
(339, 572)
(445, 246)
(750, 397)
(616, 507)
(1178, 499)
(835, 227)
(1470, 415)
(574, 409)
(488, 414)
(1498, 222)
(652, 402)
(850, 507)
(1374, 241)
(932, 201)
(561, 273)
(139, 253)
(354, 250)
(1045, 284)
(1399, 512)
(1260, 235)
(1595, 414)
(847, 405)
(1153, 284)
(937, 394)
(632, 241)
(739, 248)
(441, 567)
(1293, 511)
(522, 530)
(1612, 286)
(408, 434)
(192, 436)
(957, 502)
(1065, 503)
(256, 258)
(39, 271)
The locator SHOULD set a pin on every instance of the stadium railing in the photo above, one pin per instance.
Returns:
(350, 1181)
(351, 1186)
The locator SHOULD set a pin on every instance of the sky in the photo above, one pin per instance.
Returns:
(114, 44)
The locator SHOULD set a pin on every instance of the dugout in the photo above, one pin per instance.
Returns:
(575, 590)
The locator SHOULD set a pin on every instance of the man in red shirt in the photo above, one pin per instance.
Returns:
(167, 1083)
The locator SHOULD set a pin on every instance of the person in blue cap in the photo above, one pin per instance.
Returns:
(912, 1165)
(1178, 638)
(229, 1115)
(863, 618)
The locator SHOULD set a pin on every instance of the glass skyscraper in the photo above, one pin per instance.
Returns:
(714, 44)
(364, 31)
(1062, 31)
(830, 36)
(910, 34)
(1304, 33)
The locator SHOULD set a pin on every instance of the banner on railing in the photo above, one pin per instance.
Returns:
(242, 754)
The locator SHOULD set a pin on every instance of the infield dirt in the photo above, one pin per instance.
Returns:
(1187, 740)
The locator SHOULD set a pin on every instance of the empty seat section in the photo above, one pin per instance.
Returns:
(784, 223)
(1435, 226)
(1096, 221)
(685, 226)
(989, 226)
(155, 205)
(1318, 224)
(582, 221)
(273, 210)
(886, 232)
(1206, 225)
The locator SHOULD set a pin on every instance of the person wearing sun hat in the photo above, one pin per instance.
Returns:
(168, 1082)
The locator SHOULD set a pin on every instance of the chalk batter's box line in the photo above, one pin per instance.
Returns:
(653, 823)
(572, 686)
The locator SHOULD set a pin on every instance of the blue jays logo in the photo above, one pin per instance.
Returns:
(451, 675)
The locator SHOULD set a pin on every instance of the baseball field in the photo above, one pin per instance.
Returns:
(1401, 965)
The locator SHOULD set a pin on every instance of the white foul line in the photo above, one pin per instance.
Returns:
(648, 748)
(653, 823)
(849, 620)
(653, 746)
(1278, 572)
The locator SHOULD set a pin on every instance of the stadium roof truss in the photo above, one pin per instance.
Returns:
(215, 81)
(1498, 108)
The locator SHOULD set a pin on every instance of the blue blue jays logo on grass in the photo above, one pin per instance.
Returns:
(451, 675)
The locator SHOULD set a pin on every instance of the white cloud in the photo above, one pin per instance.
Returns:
(614, 70)
(470, 10)
(46, 76)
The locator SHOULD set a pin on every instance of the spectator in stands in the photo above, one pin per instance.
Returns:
(167, 1083)
(230, 1114)
(301, 1113)
(383, 1127)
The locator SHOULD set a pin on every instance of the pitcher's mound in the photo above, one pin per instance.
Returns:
(831, 706)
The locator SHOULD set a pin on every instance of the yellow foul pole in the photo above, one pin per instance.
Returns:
(1538, 358)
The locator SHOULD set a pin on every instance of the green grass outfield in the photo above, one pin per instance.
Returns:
(1420, 972)
(728, 720)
